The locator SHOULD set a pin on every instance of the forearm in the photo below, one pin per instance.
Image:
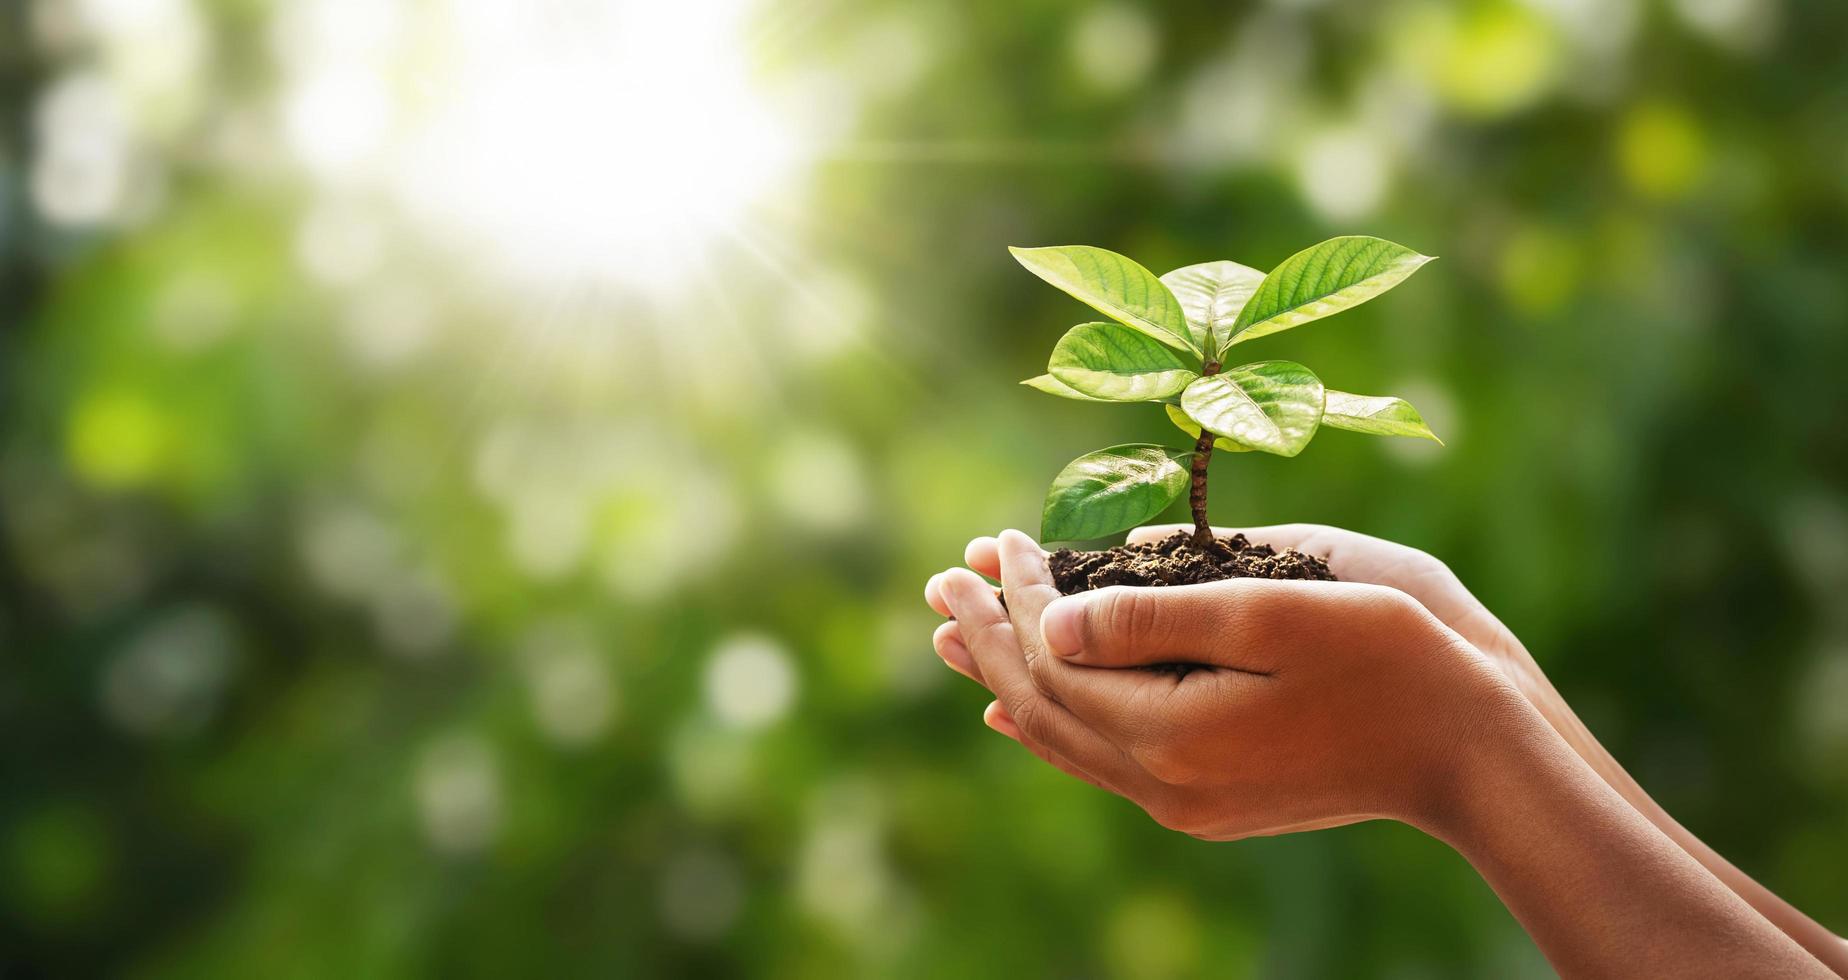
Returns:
(1811, 935)
(1601, 890)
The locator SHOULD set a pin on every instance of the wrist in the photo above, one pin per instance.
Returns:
(1503, 753)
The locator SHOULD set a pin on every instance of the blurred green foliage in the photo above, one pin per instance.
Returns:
(366, 612)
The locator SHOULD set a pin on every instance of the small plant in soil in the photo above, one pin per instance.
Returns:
(1167, 341)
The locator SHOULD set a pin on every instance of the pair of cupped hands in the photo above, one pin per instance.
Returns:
(1391, 693)
(1314, 704)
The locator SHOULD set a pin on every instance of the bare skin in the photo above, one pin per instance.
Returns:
(1391, 694)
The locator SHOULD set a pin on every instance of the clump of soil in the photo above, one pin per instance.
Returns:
(1175, 561)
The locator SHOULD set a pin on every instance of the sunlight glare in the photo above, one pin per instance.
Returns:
(590, 142)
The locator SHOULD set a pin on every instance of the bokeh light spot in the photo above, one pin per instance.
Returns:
(117, 438)
(817, 480)
(711, 767)
(1153, 936)
(1661, 150)
(349, 551)
(194, 311)
(1113, 46)
(571, 690)
(80, 172)
(750, 681)
(843, 876)
(458, 792)
(1738, 25)
(170, 677)
(415, 613)
(1343, 172)
(1539, 269)
(1487, 59)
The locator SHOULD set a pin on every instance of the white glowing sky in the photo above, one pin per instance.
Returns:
(563, 141)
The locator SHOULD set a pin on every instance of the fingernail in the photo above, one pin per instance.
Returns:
(1059, 625)
(976, 550)
(997, 718)
(931, 598)
(1022, 539)
(950, 647)
(957, 657)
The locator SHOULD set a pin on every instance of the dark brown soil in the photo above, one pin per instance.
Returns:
(1175, 561)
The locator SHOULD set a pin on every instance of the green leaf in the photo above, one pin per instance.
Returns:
(1113, 285)
(1053, 386)
(1380, 415)
(1273, 406)
(1192, 428)
(1112, 489)
(1322, 279)
(1112, 362)
(1212, 294)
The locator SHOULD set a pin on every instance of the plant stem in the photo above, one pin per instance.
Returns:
(1203, 453)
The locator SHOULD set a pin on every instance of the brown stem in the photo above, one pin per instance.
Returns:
(1203, 453)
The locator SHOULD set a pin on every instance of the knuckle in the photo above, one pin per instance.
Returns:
(1166, 760)
(1174, 813)
(1394, 609)
(1032, 718)
(1043, 671)
(1430, 563)
(988, 632)
(1429, 567)
(1248, 607)
(1135, 612)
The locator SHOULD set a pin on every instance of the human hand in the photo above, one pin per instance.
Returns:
(1322, 703)
(1356, 557)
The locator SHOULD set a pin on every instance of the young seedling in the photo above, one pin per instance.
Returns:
(1165, 342)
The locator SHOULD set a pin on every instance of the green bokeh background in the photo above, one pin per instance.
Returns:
(364, 617)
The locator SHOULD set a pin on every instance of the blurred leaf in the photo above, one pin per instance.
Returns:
(1323, 279)
(1192, 428)
(1115, 363)
(1106, 491)
(1212, 294)
(1273, 406)
(1053, 386)
(1380, 415)
(1114, 285)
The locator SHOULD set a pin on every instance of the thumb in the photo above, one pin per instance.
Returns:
(1124, 626)
(1244, 624)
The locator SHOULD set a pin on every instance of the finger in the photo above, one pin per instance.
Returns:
(1356, 557)
(1135, 627)
(984, 555)
(997, 718)
(1243, 624)
(1150, 715)
(985, 630)
(1275, 535)
(1028, 583)
(947, 641)
(995, 648)
(1352, 556)
(933, 595)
